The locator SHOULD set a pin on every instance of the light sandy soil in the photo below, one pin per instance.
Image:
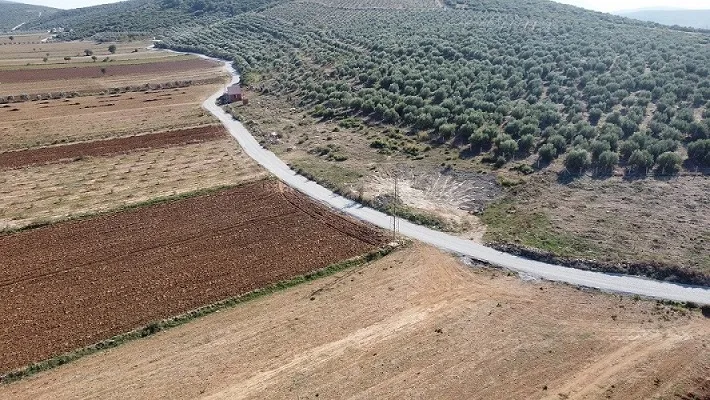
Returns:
(56, 191)
(41, 123)
(417, 324)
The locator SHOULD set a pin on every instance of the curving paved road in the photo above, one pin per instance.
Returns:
(606, 282)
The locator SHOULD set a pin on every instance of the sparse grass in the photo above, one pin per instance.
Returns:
(341, 180)
(48, 193)
(157, 326)
(508, 223)
(333, 176)
(60, 122)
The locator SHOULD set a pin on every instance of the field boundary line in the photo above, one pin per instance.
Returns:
(165, 324)
(127, 207)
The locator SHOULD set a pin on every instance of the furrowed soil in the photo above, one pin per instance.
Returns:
(47, 193)
(73, 284)
(416, 324)
(45, 155)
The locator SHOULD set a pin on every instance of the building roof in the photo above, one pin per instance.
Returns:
(234, 89)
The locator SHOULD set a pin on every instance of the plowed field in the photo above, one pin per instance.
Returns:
(72, 284)
(45, 155)
(414, 325)
(51, 74)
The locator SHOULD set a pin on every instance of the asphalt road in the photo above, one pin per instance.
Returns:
(602, 281)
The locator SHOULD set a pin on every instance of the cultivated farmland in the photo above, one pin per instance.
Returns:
(46, 193)
(416, 324)
(75, 140)
(151, 263)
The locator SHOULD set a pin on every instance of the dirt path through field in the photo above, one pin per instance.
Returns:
(417, 324)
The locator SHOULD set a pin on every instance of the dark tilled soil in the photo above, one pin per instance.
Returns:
(69, 152)
(73, 284)
(82, 72)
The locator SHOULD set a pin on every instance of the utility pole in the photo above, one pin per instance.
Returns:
(395, 221)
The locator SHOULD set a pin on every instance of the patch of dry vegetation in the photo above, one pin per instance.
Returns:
(50, 122)
(53, 192)
(610, 220)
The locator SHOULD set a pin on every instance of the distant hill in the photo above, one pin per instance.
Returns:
(13, 14)
(691, 18)
(145, 16)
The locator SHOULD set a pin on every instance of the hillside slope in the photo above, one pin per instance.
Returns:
(13, 14)
(516, 88)
(144, 16)
(691, 18)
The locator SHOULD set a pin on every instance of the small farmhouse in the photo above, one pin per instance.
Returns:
(234, 93)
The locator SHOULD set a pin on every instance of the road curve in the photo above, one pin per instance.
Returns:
(606, 282)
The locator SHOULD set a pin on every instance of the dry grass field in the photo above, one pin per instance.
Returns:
(417, 324)
(56, 191)
(30, 49)
(612, 220)
(42, 123)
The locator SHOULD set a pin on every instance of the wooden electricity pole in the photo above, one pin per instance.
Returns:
(395, 221)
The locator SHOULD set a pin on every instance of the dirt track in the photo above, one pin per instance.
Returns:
(416, 324)
(45, 155)
(73, 284)
(50, 74)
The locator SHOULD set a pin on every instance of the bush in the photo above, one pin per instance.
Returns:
(577, 161)
(508, 148)
(641, 161)
(668, 163)
(699, 152)
(559, 142)
(547, 152)
(526, 143)
(607, 160)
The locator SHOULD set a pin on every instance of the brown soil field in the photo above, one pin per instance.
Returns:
(46, 155)
(47, 193)
(416, 324)
(104, 83)
(43, 123)
(155, 262)
(51, 74)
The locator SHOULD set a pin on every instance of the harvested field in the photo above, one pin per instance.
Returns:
(51, 74)
(43, 123)
(45, 155)
(31, 49)
(104, 83)
(47, 193)
(416, 324)
(155, 262)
